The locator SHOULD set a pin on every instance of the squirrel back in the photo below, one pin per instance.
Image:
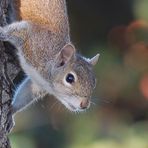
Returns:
(50, 13)
(48, 28)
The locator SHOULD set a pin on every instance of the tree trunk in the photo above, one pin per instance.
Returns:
(9, 69)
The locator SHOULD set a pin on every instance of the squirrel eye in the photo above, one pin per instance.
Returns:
(70, 78)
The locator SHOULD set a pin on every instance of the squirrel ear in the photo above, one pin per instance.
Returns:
(66, 54)
(93, 61)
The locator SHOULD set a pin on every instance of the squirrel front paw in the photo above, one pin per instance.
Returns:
(3, 35)
(10, 122)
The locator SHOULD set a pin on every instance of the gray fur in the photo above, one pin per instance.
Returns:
(47, 56)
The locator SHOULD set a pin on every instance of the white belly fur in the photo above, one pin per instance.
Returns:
(33, 74)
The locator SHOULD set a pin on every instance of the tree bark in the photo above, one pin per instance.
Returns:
(9, 69)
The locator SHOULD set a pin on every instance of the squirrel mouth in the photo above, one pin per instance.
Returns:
(74, 108)
(71, 107)
(68, 105)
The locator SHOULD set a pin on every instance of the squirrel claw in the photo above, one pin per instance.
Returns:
(10, 122)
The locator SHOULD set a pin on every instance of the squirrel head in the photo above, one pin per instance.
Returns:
(73, 78)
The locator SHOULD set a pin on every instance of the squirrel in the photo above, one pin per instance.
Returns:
(41, 35)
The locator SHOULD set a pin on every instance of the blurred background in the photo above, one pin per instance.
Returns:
(118, 30)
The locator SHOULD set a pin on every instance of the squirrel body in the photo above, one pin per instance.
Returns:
(47, 56)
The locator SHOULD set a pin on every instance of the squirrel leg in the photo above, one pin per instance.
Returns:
(26, 94)
(15, 33)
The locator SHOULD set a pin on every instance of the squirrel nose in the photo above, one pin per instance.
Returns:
(84, 104)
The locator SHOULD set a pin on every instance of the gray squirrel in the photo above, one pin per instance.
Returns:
(47, 56)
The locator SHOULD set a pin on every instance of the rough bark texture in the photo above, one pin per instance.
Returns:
(9, 69)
